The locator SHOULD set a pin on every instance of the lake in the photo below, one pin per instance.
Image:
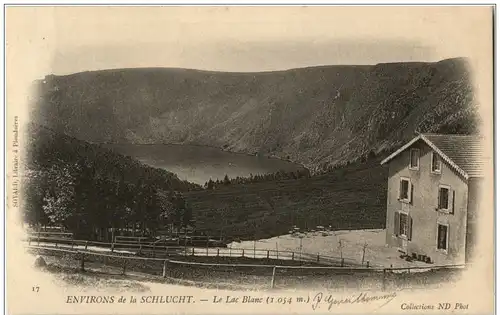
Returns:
(198, 164)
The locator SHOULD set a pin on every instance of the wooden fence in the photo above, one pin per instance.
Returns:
(259, 275)
(155, 251)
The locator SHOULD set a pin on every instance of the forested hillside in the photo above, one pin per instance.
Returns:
(88, 189)
(315, 116)
(349, 197)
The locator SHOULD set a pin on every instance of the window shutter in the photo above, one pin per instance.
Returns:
(410, 227)
(400, 189)
(439, 198)
(411, 193)
(452, 208)
(396, 223)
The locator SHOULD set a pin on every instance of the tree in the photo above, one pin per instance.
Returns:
(152, 209)
(210, 184)
(226, 180)
(34, 187)
(166, 207)
(87, 201)
(58, 199)
(179, 209)
(187, 218)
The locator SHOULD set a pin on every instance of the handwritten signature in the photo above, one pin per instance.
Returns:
(331, 301)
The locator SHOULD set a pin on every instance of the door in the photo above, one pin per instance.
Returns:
(404, 231)
(404, 245)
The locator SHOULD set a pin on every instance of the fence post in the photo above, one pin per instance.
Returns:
(243, 252)
(317, 260)
(165, 269)
(124, 266)
(207, 245)
(364, 250)
(112, 247)
(217, 252)
(86, 244)
(383, 281)
(82, 263)
(273, 278)
(367, 264)
(267, 254)
(342, 262)
(293, 254)
(72, 243)
(55, 241)
(192, 254)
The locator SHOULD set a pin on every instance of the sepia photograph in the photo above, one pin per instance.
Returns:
(249, 159)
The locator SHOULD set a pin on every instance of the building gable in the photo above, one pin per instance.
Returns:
(462, 153)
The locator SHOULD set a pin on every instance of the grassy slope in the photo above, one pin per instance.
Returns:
(353, 197)
(314, 115)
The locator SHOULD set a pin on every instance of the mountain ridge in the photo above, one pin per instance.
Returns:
(316, 116)
(252, 72)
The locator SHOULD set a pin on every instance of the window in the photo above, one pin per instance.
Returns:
(446, 198)
(403, 225)
(414, 157)
(405, 190)
(444, 193)
(442, 237)
(435, 163)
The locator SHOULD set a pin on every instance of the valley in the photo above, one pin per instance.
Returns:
(198, 164)
(315, 116)
(336, 121)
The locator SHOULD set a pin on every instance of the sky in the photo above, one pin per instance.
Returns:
(74, 39)
(239, 55)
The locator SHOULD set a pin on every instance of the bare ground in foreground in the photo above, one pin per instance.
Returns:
(106, 276)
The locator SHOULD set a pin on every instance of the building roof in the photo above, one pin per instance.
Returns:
(464, 153)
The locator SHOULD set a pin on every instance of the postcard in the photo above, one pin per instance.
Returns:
(249, 159)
